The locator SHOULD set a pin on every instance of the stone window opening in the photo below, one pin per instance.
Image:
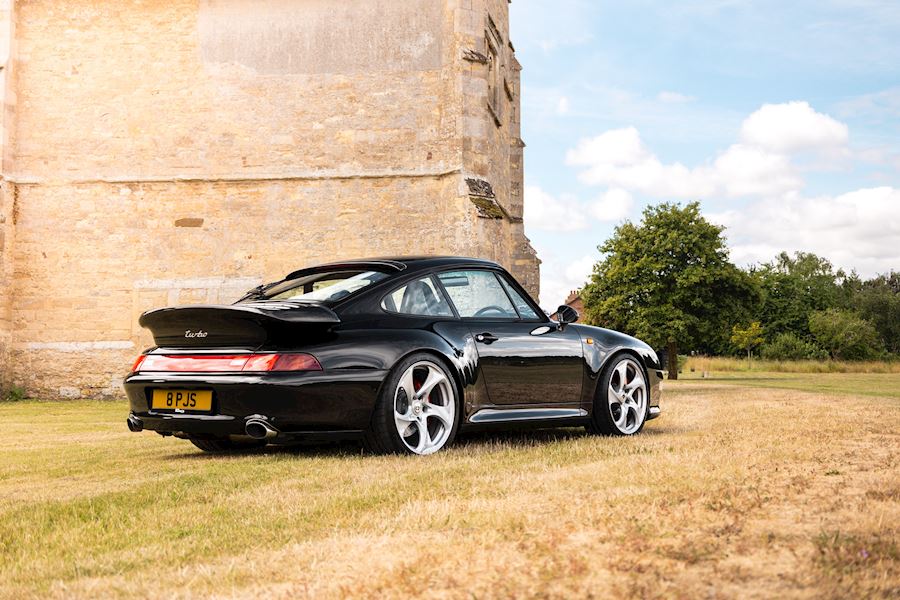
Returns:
(495, 76)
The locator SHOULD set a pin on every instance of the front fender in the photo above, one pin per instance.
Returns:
(601, 345)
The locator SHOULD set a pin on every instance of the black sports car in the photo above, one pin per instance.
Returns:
(400, 353)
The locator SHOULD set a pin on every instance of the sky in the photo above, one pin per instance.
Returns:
(781, 118)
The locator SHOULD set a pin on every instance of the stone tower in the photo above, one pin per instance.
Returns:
(160, 152)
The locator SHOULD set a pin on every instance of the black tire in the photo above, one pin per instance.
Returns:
(604, 415)
(382, 436)
(222, 445)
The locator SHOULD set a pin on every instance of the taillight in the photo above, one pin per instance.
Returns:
(137, 363)
(225, 363)
(260, 362)
(297, 362)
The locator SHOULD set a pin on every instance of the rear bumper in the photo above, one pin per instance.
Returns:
(332, 402)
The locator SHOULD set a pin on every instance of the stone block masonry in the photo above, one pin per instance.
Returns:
(163, 152)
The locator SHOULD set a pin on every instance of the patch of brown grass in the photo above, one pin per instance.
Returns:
(734, 492)
(733, 364)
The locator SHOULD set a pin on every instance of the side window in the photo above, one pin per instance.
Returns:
(417, 298)
(477, 294)
(525, 310)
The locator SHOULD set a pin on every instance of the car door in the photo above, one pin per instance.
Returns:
(526, 360)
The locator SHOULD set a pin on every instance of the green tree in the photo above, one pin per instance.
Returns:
(793, 287)
(878, 301)
(787, 346)
(669, 282)
(747, 338)
(845, 334)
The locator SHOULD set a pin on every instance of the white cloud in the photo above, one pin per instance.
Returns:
(546, 212)
(619, 158)
(749, 171)
(579, 271)
(549, 213)
(614, 205)
(879, 107)
(759, 165)
(562, 106)
(792, 127)
(674, 98)
(860, 229)
(560, 277)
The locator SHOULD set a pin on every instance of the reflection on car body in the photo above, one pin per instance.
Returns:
(400, 353)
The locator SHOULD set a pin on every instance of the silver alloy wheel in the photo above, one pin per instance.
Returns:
(627, 396)
(424, 408)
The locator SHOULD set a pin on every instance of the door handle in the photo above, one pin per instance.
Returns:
(486, 338)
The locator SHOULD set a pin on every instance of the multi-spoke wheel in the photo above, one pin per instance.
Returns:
(620, 407)
(416, 412)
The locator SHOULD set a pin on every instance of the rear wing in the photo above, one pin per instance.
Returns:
(245, 325)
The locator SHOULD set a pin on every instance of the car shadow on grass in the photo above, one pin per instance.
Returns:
(342, 449)
(517, 437)
(522, 437)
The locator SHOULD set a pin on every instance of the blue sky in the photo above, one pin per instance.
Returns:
(782, 118)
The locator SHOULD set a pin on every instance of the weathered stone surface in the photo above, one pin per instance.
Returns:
(279, 37)
(174, 151)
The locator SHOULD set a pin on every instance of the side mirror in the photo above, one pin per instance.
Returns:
(566, 314)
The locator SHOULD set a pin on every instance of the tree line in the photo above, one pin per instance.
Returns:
(669, 281)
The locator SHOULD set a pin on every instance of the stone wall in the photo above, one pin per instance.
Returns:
(7, 198)
(7, 236)
(174, 151)
(492, 123)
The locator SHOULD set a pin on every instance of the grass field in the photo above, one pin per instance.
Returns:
(737, 491)
(729, 364)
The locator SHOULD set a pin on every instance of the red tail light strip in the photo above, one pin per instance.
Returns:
(225, 363)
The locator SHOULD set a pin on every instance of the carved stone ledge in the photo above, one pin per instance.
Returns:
(475, 56)
(487, 208)
(480, 188)
(481, 193)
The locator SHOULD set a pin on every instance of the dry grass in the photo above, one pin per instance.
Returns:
(734, 492)
(883, 385)
(720, 364)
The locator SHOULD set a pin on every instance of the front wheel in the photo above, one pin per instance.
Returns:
(416, 412)
(620, 406)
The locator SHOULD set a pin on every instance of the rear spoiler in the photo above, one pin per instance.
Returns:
(374, 265)
(249, 324)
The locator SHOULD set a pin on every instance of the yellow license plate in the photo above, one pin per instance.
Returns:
(199, 400)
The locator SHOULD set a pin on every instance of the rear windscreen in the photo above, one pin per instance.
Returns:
(324, 287)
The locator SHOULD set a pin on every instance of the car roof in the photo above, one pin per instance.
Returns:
(399, 263)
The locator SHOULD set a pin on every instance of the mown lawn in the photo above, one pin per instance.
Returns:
(884, 385)
(737, 491)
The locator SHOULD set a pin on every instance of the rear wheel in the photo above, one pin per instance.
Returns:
(416, 412)
(620, 407)
(220, 445)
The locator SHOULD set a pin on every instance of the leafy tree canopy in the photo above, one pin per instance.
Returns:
(845, 334)
(669, 281)
(747, 338)
(793, 287)
(787, 346)
(878, 301)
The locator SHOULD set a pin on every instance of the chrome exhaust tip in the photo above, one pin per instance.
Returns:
(135, 424)
(259, 429)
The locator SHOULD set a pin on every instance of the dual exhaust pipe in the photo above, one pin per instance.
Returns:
(259, 428)
(135, 424)
(256, 427)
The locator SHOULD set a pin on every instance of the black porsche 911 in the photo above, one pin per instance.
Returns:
(400, 353)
